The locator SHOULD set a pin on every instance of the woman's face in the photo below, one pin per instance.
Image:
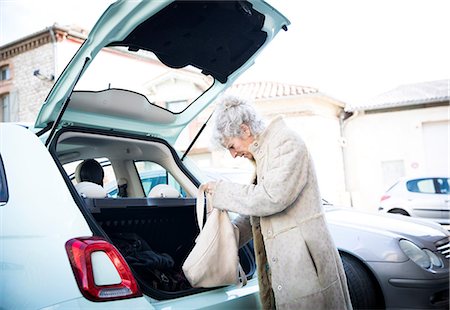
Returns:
(239, 146)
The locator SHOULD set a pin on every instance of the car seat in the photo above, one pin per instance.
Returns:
(164, 191)
(89, 176)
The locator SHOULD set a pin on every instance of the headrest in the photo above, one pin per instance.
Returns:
(163, 191)
(89, 170)
(90, 190)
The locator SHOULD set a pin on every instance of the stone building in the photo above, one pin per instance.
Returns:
(29, 67)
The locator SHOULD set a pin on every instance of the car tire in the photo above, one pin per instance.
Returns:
(362, 287)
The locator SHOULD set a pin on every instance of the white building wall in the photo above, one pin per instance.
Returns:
(321, 135)
(384, 146)
(436, 139)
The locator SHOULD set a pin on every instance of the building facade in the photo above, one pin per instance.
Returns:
(29, 67)
(358, 150)
(401, 133)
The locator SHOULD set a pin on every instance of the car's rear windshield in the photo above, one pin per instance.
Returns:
(141, 71)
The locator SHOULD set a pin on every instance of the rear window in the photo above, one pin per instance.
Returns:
(141, 71)
(425, 186)
(3, 185)
(109, 179)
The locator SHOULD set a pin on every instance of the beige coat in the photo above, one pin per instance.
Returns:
(295, 253)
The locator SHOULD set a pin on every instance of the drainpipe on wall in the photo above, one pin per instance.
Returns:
(52, 35)
(344, 118)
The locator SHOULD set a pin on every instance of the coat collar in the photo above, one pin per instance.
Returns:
(256, 147)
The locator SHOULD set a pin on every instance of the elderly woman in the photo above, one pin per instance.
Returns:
(298, 264)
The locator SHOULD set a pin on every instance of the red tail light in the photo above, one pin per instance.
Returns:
(79, 251)
(385, 197)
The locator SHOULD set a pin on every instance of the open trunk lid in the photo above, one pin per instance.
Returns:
(204, 44)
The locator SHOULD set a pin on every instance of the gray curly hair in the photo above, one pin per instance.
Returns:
(231, 112)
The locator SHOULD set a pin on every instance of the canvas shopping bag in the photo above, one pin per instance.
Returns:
(214, 260)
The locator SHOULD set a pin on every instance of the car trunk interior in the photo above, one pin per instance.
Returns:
(154, 235)
(215, 36)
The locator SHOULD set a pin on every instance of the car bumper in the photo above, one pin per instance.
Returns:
(139, 303)
(407, 286)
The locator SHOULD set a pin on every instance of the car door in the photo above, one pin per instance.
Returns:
(443, 192)
(424, 199)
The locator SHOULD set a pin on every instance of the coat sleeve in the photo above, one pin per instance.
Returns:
(284, 178)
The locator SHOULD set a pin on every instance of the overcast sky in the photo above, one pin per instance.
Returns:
(351, 50)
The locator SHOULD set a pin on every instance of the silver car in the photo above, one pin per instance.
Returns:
(392, 261)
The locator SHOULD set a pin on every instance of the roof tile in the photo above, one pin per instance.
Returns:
(407, 95)
(270, 90)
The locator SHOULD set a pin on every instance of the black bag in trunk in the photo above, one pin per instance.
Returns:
(156, 269)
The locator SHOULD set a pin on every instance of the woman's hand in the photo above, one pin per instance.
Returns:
(210, 187)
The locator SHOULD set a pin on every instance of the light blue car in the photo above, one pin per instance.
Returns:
(146, 71)
(146, 61)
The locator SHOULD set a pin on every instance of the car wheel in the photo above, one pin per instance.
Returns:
(364, 292)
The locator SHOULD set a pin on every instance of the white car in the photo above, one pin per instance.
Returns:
(47, 248)
(425, 197)
(53, 253)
